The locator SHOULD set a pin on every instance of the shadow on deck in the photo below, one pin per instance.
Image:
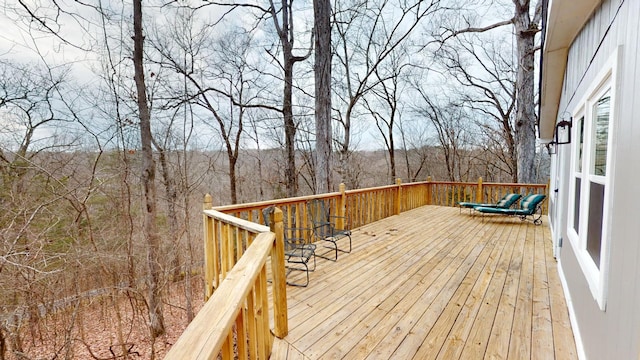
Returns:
(433, 283)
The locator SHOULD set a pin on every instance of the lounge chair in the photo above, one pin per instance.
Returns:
(296, 250)
(529, 206)
(506, 202)
(324, 228)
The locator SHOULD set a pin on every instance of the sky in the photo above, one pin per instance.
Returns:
(21, 41)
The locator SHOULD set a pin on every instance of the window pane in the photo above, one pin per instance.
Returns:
(602, 112)
(594, 233)
(580, 143)
(576, 207)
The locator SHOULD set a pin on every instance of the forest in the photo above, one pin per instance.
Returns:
(116, 118)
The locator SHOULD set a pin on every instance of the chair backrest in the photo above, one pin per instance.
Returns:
(531, 202)
(319, 217)
(289, 244)
(317, 211)
(508, 200)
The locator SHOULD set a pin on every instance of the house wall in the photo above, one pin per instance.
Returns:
(615, 332)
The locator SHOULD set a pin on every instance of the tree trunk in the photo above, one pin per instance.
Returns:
(322, 72)
(525, 114)
(392, 154)
(512, 148)
(233, 159)
(289, 128)
(172, 216)
(148, 180)
(286, 38)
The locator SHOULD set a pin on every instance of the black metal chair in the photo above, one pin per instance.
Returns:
(324, 227)
(296, 250)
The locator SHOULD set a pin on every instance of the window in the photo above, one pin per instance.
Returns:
(598, 178)
(602, 112)
(589, 192)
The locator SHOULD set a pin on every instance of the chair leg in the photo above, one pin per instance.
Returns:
(349, 236)
(345, 251)
(306, 270)
(333, 248)
(314, 262)
(537, 216)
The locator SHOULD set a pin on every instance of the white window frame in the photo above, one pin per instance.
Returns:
(597, 277)
(574, 173)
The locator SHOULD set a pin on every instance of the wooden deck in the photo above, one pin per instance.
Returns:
(433, 283)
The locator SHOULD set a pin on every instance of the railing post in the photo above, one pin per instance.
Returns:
(342, 207)
(479, 191)
(280, 315)
(209, 249)
(398, 202)
(429, 190)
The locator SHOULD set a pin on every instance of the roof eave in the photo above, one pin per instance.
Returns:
(565, 20)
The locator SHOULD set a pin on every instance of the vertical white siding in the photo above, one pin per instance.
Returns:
(614, 333)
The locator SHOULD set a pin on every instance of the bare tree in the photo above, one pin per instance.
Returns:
(322, 71)
(367, 33)
(488, 89)
(286, 34)
(154, 300)
(415, 149)
(526, 19)
(451, 131)
(388, 105)
(220, 78)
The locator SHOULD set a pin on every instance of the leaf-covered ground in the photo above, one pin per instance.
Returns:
(107, 327)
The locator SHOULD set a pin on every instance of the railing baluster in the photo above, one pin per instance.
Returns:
(227, 348)
(263, 315)
(251, 323)
(241, 332)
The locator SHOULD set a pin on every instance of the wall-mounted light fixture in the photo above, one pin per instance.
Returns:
(552, 148)
(563, 132)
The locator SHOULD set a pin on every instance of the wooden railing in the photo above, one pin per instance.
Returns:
(364, 206)
(445, 193)
(234, 322)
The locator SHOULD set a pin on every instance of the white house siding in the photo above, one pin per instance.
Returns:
(615, 332)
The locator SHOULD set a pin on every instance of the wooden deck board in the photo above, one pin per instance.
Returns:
(520, 342)
(479, 309)
(498, 338)
(434, 283)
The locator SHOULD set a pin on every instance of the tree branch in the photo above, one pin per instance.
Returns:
(455, 33)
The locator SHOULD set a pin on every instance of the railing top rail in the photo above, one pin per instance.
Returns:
(357, 191)
(475, 183)
(261, 204)
(205, 335)
(513, 184)
(437, 182)
(241, 223)
(301, 199)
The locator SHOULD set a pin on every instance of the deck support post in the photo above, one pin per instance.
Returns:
(280, 313)
(398, 202)
(479, 191)
(210, 258)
